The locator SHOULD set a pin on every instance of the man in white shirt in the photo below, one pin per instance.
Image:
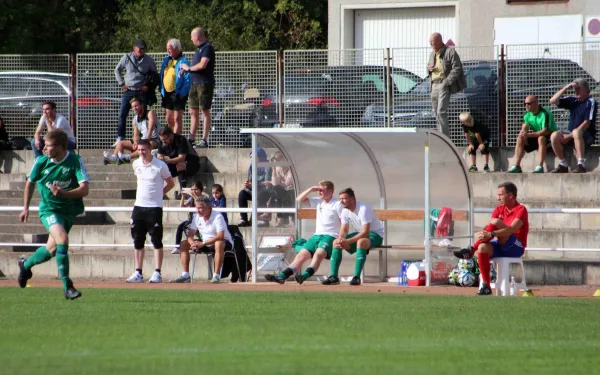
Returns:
(215, 238)
(368, 233)
(151, 176)
(52, 120)
(320, 245)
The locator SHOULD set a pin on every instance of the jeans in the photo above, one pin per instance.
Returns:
(39, 152)
(126, 107)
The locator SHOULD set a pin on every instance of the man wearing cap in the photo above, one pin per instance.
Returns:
(137, 65)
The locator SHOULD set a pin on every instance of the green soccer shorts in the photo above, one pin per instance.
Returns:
(318, 241)
(49, 219)
(374, 238)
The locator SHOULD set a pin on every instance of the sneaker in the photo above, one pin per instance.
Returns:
(175, 250)
(111, 159)
(355, 280)
(331, 280)
(216, 279)
(560, 169)
(538, 169)
(275, 279)
(71, 292)
(579, 169)
(156, 278)
(486, 169)
(191, 140)
(24, 274)
(177, 195)
(136, 278)
(298, 278)
(473, 169)
(262, 224)
(244, 223)
(514, 169)
(203, 143)
(463, 254)
(181, 279)
(484, 290)
(125, 159)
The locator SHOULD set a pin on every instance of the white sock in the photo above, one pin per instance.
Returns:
(563, 162)
(581, 161)
(185, 274)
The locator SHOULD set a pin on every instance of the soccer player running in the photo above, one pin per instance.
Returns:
(319, 246)
(509, 226)
(368, 234)
(62, 182)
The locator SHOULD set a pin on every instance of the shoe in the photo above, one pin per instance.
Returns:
(484, 290)
(355, 280)
(203, 143)
(71, 293)
(514, 169)
(136, 278)
(24, 274)
(244, 223)
(156, 278)
(175, 250)
(177, 195)
(473, 169)
(486, 169)
(125, 159)
(262, 224)
(331, 280)
(579, 169)
(275, 279)
(191, 140)
(298, 278)
(216, 279)
(463, 254)
(560, 169)
(111, 159)
(538, 169)
(181, 279)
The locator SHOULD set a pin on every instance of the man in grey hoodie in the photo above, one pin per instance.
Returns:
(137, 65)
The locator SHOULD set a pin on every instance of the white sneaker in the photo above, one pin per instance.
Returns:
(216, 279)
(136, 278)
(156, 278)
(175, 250)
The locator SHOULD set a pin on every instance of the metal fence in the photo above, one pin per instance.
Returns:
(542, 70)
(26, 81)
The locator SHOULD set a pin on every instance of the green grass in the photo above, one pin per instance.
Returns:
(163, 332)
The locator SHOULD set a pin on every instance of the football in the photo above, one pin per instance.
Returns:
(466, 278)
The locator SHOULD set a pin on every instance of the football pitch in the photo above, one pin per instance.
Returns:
(129, 331)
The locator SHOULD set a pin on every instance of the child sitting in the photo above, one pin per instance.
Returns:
(187, 200)
(217, 199)
(478, 138)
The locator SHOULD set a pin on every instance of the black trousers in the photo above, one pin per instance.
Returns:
(245, 196)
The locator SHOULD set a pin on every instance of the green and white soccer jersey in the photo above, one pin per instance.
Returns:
(68, 174)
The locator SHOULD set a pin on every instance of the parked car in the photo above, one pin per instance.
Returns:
(332, 95)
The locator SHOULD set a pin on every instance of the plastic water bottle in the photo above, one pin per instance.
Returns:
(513, 286)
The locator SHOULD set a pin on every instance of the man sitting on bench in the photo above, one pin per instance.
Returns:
(509, 225)
(369, 234)
(320, 244)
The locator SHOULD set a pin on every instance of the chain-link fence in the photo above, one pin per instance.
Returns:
(27, 81)
(542, 70)
(332, 88)
(412, 106)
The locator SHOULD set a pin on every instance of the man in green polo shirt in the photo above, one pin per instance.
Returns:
(538, 124)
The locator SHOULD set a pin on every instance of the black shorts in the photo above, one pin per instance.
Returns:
(532, 144)
(211, 248)
(147, 220)
(201, 95)
(475, 143)
(192, 165)
(174, 102)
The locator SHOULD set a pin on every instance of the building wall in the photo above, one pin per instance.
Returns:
(475, 18)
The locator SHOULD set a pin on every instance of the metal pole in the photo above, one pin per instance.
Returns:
(427, 217)
(254, 211)
(73, 96)
(388, 87)
(280, 87)
(503, 115)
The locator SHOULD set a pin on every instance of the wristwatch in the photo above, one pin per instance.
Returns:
(493, 234)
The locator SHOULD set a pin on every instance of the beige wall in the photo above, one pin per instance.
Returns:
(475, 17)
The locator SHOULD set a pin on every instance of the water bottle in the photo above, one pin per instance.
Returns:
(513, 286)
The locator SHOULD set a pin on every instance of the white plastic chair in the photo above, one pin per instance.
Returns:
(502, 284)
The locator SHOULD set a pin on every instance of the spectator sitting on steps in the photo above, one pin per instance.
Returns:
(582, 124)
(51, 120)
(145, 125)
(264, 175)
(538, 124)
(478, 138)
(180, 156)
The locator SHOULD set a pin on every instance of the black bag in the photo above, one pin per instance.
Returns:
(152, 81)
(229, 265)
(20, 143)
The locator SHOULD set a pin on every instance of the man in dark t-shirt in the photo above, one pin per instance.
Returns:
(203, 85)
(180, 156)
(478, 138)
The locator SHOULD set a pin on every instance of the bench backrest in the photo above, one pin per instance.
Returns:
(385, 215)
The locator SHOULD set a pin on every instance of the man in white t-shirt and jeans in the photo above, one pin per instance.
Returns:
(146, 218)
(320, 245)
(51, 120)
(368, 233)
(215, 238)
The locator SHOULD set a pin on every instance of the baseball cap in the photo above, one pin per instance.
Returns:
(139, 43)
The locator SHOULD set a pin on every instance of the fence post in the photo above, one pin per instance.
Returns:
(389, 86)
(280, 85)
(73, 98)
(502, 116)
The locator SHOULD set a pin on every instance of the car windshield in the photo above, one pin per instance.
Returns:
(309, 83)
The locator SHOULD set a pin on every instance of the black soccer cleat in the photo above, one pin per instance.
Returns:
(71, 292)
(463, 254)
(24, 274)
(298, 278)
(484, 290)
(275, 279)
(331, 280)
(355, 281)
